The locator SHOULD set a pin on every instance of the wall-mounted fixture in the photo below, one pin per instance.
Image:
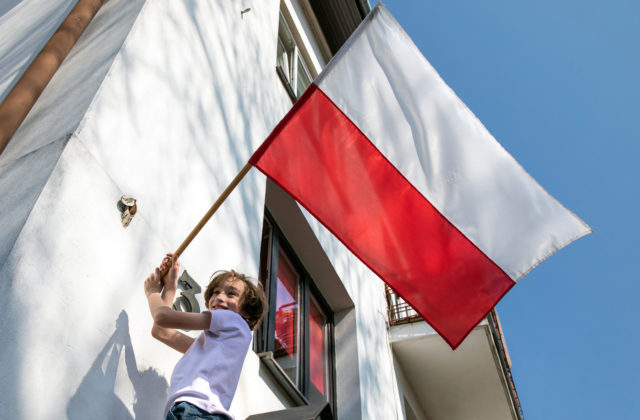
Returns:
(128, 208)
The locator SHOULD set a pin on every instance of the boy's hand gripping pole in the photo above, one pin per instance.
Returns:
(245, 169)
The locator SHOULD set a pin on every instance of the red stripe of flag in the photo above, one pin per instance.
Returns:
(329, 166)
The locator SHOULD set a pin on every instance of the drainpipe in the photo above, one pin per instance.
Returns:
(25, 93)
(363, 7)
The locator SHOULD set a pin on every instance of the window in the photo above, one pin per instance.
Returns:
(298, 328)
(290, 64)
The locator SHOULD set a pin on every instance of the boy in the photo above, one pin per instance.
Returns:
(205, 378)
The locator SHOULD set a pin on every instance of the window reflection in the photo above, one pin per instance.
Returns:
(287, 308)
(298, 331)
(317, 348)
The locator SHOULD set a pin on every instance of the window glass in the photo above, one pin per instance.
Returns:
(303, 78)
(318, 360)
(286, 50)
(283, 59)
(286, 343)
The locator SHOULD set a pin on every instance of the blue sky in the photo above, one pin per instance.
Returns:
(558, 84)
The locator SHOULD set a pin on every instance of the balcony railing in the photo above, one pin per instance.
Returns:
(505, 361)
(400, 312)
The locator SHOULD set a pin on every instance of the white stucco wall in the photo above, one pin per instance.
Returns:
(184, 100)
(71, 302)
(188, 97)
(30, 156)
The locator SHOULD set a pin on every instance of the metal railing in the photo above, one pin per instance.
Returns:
(400, 312)
(498, 337)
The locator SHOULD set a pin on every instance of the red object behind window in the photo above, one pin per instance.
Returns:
(317, 353)
(286, 308)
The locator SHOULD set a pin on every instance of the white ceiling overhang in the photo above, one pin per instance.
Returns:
(468, 383)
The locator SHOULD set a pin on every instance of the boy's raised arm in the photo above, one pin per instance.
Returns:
(160, 293)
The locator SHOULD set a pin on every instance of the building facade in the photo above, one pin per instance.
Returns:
(164, 102)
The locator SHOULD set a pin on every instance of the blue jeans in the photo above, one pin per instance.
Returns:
(185, 411)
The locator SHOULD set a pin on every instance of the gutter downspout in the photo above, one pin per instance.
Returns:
(363, 7)
(25, 93)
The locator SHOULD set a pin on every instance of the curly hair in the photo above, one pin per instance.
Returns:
(253, 304)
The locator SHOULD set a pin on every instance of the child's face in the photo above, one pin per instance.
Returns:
(227, 295)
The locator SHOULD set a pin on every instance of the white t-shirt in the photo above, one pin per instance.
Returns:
(208, 373)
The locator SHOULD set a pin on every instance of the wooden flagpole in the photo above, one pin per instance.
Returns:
(234, 183)
(23, 96)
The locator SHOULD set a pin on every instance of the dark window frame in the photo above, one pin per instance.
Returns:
(272, 240)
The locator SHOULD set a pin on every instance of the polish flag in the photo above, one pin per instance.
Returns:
(385, 155)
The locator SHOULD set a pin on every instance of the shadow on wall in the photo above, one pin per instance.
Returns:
(228, 102)
(95, 397)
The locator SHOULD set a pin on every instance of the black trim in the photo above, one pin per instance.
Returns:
(305, 359)
(282, 378)
(273, 262)
(265, 345)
